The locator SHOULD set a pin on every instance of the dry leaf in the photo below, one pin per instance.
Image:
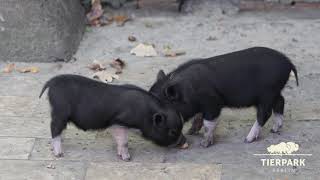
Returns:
(118, 64)
(144, 50)
(171, 53)
(95, 13)
(104, 20)
(95, 23)
(211, 38)
(9, 68)
(148, 25)
(51, 166)
(132, 38)
(1, 18)
(105, 76)
(31, 69)
(121, 20)
(97, 66)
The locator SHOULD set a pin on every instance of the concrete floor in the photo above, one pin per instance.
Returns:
(24, 119)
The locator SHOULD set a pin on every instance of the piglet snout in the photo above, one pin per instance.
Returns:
(182, 142)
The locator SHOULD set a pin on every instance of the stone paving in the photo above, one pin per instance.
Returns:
(24, 118)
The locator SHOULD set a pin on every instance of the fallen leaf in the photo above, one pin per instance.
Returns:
(121, 20)
(171, 53)
(31, 69)
(132, 38)
(118, 64)
(97, 66)
(9, 68)
(1, 18)
(167, 47)
(95, 13)
(105, 76)
(51, 166)
(144, 50)
(148, 25)
(211, 38)
(104, 20)
(95, 23)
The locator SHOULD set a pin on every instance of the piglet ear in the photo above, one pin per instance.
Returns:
(171, 92)
(161, 75)
(158, 119)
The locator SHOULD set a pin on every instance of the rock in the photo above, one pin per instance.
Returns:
(40, 30)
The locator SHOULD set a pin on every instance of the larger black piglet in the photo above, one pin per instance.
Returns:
(251, 77)
(93, 105)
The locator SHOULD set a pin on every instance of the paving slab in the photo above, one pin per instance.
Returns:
(306, 110)
(239, 162)
(19, 85)
(157, 171)
(245, 172)
(38, 128)
(235, 153)
(236, 131)
(17, 106)
(24, 127)
(101, 149)
(44, 170)
(16, 148)
(42, 109)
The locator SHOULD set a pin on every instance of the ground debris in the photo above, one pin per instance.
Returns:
(105, 76)
(97, 66)
(121, 19)
(132, 38)
(168, 52)
(50, 166)
(95, 13)
(171, 53)
(211, 38)
(9, 68)
(144, 50)
(118, 64)
(31, 69)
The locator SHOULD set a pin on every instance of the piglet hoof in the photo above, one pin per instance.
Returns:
(58, 154)
(274, 131)
(206, 143)
(125, 157)
(247, 140)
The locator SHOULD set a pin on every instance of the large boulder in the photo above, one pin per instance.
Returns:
(40, 30)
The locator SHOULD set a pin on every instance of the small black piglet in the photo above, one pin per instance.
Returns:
(93, 105)
(250, 77)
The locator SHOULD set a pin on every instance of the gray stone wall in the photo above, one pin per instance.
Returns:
(38, 30)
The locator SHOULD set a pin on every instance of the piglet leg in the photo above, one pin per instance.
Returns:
(196, 124)
(254, 133)
(120, 135)
(56, 146)
(209, 127)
